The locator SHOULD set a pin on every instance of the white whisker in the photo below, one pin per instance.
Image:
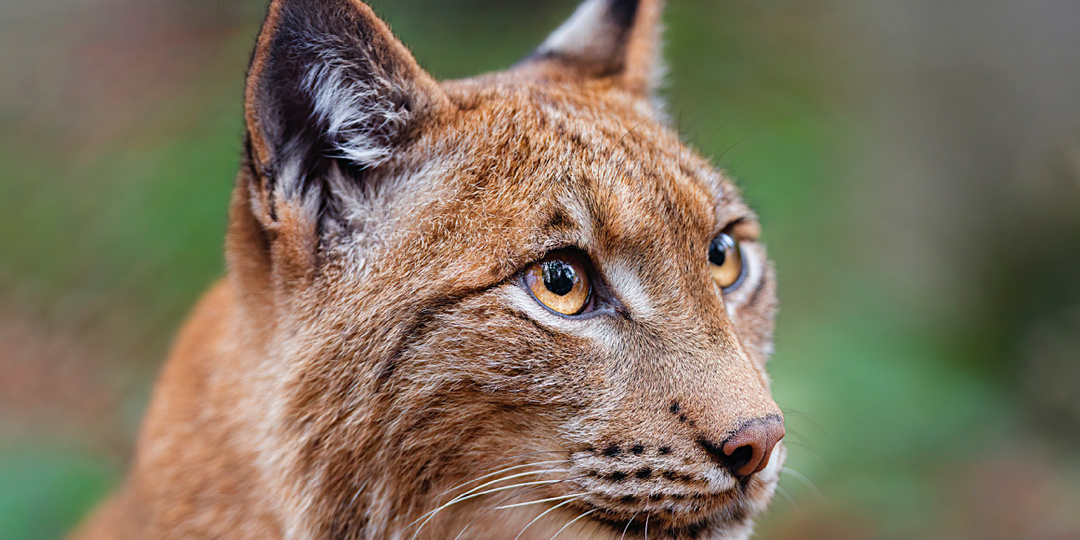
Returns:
(508, 469)
(806, 481)
(482, 486)
(527, 491)
(430, 515)
(511, 477)
(627, 528)
(783, 492)
(559, 498)
(571, 522)
(544, 513)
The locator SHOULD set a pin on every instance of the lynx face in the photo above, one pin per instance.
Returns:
(509, 305)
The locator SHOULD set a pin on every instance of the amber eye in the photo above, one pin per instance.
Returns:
(725, 261)
(560, 282)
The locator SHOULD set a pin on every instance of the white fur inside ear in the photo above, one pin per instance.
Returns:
(358, 116)
(589, 34)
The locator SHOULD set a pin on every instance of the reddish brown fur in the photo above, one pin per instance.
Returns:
(340, 380)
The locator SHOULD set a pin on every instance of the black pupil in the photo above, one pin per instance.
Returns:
(558, 277)
(718, 249)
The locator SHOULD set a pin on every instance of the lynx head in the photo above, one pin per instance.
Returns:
(480, 302)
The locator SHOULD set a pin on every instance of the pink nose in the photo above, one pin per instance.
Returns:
(747, 450)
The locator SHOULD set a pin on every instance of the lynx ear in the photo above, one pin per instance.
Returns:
(617, 39)
(329, 88)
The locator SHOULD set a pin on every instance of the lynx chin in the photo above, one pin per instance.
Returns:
(512, 306)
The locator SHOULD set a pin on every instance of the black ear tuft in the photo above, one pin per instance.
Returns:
(624, 12)
(329, 82)
(615, 39)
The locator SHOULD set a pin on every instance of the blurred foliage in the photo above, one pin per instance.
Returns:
(917, 173)
(46, 490)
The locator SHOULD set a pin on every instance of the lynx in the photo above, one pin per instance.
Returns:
(512, 306)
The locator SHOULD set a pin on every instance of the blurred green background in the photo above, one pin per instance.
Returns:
(916, 165)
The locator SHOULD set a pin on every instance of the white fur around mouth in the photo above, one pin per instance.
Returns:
(722, 509)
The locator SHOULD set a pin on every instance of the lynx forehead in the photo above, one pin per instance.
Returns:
(513, 306)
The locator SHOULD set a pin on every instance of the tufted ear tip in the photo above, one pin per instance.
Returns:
(331, 63)
(616, 39)
(328, 83)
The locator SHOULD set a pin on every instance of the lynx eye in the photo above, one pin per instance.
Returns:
(725, 261)
(559, 281)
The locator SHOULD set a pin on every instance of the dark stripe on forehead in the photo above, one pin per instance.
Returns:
(560, 220)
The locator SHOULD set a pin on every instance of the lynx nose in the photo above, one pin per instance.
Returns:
(747, 450)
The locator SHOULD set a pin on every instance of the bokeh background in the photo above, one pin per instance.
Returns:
(916, 165)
